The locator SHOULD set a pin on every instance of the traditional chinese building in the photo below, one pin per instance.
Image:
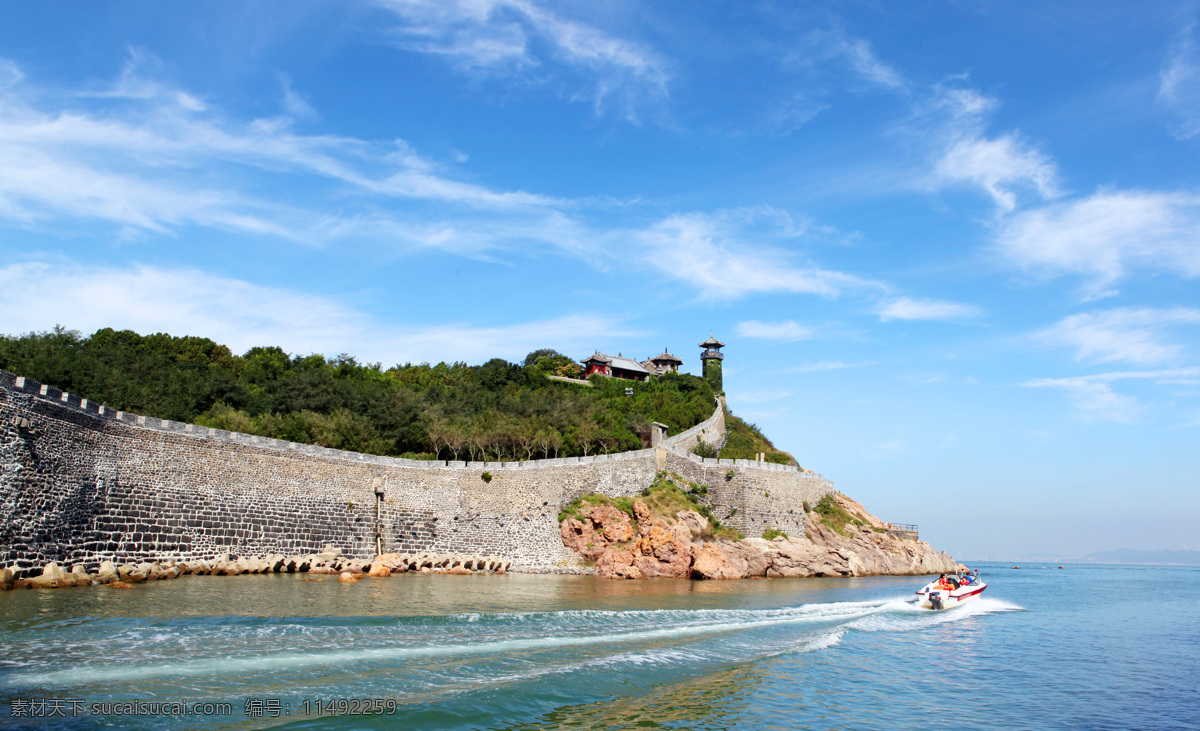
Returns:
(614, 366)
(660, 364)
(711, 358)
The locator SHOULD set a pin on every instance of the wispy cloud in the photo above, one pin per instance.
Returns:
(906, 308)
(1179, 84)
(1094, 394)
(37, 296)
(998, 165)
(785, 331)
(10, 73)
(147, 158)
(1103, 236)
(127, 154)
(820, 48)
(724, 256)
(293, 102)
(513, 37)
(1121, 335)
(956, 119)
(869, 66)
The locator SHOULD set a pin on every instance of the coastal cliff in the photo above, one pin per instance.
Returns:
(643, 539)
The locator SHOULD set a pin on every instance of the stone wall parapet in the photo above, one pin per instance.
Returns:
(82, 482)
(99, 411)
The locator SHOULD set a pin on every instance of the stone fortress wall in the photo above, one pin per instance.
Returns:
(81, 483)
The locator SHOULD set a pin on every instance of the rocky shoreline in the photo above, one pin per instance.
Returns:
(330, 562)
(611, 542)
(639, 546)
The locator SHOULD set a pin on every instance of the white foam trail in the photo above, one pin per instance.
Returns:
(889, 622)
(287, 661)
(868, 616)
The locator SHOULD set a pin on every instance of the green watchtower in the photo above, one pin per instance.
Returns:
(711, 358)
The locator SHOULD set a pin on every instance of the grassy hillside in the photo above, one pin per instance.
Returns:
(746, 440)
(494, 411)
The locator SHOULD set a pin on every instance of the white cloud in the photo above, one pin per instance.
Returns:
(1104, 235)
(724, 257)
(1179, 84)
(955, 119)
(906, 308)
(773, 330)
(148, 159)
(999, 166)
(38, 296)
(1094, 394)
(143, 155)
(512, 36)
(1121, 335)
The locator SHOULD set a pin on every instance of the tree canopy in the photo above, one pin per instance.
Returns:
(494, 411)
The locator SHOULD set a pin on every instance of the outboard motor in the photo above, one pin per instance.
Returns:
(935, 599)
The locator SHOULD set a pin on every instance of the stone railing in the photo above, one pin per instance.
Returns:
(103, 412)
(711, 431)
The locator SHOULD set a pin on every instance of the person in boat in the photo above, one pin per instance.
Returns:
(965, 579)
(944, 583)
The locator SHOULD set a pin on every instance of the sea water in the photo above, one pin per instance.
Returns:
(1079, 647)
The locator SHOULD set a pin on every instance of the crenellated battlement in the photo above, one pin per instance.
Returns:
(81, 482)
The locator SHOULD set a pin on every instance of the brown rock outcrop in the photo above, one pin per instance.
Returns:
(596, 528)
(696, 523)
(618, 564)
(674, 549)
(641, 513)
(665, 550)
(710, 561)
(731, 559)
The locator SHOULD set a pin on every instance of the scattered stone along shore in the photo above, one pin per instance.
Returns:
(330, 561)
(640, 547)
(564, 570)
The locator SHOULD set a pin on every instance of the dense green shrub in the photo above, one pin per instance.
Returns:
(497, 411)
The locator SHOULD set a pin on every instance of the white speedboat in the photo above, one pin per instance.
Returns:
(950, 590)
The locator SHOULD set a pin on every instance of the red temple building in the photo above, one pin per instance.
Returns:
(614, 366)
(618, 366)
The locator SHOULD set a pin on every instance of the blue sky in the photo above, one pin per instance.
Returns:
(953, 247)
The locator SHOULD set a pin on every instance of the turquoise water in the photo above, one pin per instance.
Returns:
(1083, 647)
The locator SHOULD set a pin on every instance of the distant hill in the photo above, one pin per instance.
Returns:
(1128, 555)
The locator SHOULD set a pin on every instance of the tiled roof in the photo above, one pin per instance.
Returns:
(627, 364)
(597, 356)
(712, 342)
(617, 361)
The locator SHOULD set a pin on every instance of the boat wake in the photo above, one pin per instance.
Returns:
(424, 653)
